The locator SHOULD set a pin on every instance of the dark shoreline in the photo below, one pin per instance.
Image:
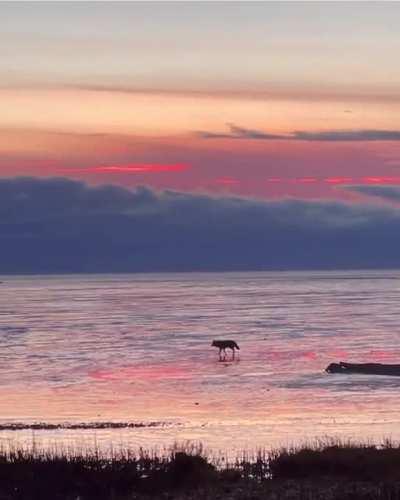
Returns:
(45, 426)
(323, 471)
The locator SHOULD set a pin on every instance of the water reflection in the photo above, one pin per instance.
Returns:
(137, 347)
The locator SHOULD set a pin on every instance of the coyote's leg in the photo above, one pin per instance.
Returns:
(233, 352)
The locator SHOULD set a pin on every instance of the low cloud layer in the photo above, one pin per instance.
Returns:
(389, 193)
(59, 225)
(236, 132)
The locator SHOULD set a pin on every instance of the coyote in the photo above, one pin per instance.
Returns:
(224, 344)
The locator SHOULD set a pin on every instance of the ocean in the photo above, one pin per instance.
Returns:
(136, 348)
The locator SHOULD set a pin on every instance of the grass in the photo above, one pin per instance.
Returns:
(341, 460)
(322, 470)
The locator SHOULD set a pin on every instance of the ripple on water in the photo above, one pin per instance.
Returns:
(138, 347)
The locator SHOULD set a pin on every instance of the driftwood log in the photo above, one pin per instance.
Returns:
(366, 368)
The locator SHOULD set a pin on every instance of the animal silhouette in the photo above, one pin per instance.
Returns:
(225, 344)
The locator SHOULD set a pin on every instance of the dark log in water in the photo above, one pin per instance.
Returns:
(365, 368)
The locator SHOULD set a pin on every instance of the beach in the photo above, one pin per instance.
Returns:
(136, 349)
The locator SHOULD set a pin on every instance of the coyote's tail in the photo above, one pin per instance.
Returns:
(237, 347)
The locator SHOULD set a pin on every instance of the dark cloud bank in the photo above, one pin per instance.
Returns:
(59, 225)
(367, 135)
(390, 193)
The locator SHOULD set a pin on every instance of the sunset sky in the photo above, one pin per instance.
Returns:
(258, 99)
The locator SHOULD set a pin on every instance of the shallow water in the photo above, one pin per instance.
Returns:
(137, 348)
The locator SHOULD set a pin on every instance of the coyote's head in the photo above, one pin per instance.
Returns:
(213, 343)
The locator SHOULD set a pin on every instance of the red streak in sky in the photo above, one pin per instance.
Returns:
(142, 168)
(381, 180)
(338, 180)
(226, 180)
(307, 180)
(137, 168)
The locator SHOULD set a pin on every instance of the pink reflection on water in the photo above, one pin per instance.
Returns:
(141, 372)
(371, 356)
(382, 355)
(339, 354)
(290, 355)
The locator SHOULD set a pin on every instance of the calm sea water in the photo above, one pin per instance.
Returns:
(137, 348)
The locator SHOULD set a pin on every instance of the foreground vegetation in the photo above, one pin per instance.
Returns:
(329, 471)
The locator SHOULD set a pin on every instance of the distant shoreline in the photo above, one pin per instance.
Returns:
(5, 274)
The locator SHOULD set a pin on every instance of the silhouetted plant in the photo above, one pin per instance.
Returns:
(323, 470)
